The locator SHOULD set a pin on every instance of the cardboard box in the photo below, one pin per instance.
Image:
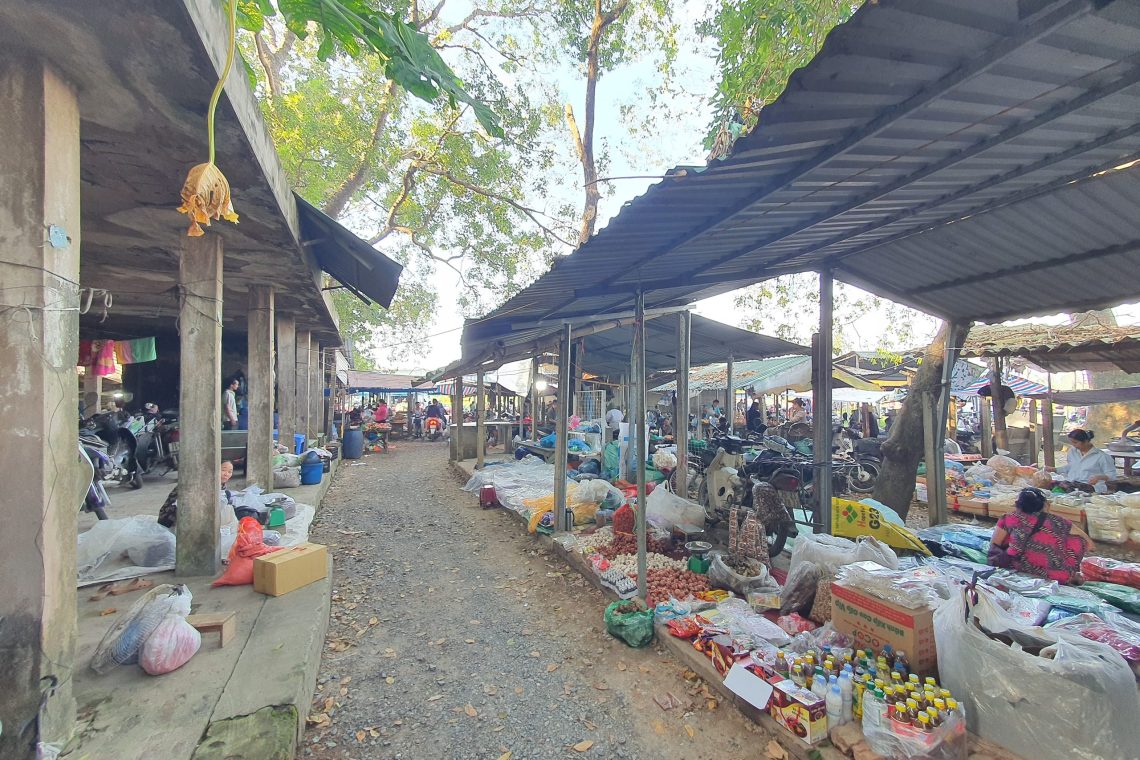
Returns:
(873, 622)
(289, 569)
(1076, 515)
(798, 710)
(967, 505)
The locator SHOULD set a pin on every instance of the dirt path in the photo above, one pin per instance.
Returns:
(454, 635)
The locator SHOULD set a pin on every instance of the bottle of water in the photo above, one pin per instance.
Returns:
(874, 705)
(846, 689)
(834, 707)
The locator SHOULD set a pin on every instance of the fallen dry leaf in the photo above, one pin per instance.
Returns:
(643, 668)
(659, 727)
(690, 731)
(435, 698)
(329, 703)
(108, 611)
(505, 756)
(373, 621)
(470, 710)
(711, 704)
(775, 751)
(601, 687)
(344, 691)
(360, 735)
(621, 666)
(535, 653)
(552, 667)
(583, 746)
(320, 719)
(390, 680)
(470, 641)
(346, 681)
(373, 733)
(519, 690)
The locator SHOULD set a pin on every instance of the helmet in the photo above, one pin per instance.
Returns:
(778, 444)
(151, 407)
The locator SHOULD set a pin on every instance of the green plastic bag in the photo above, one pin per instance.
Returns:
(634, 628)
(1124, 597)
(611, 461)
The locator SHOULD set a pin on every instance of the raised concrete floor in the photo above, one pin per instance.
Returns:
(248, 699)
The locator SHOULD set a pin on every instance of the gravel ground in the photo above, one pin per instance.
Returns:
(455, 635)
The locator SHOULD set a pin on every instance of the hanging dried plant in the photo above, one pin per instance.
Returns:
(206, 191)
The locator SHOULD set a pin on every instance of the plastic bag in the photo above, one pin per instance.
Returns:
(157, 550)
(126, 636)
(666, 509)
(1106, 524)
(832, 552)
(723, 576)
(1079, 705)
(946, 742)
(1126, 642)
(664, 460)
(249, 544)
(1005, 468)
(634, 627)
(794, 624)
(100, 548)
(287, 477)
(1111, 570)
(800, 587)
(1124, 597)
(821, 605)
(170, 646)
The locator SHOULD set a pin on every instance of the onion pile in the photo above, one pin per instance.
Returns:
(663, 583)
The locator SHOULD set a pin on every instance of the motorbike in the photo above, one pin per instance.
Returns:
(433, 428)
(92, 455)
(417, 425)
(158, 442)
(117, 431)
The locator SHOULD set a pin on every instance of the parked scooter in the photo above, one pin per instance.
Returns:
(116, 430)
(158, 440)
(94, 459)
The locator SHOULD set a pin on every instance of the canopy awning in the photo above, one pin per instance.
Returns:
(1019, 385)
(1090, 397)
(366, 381)
(784, 373)
(850, 396)
(360, 268)
(1089, 345)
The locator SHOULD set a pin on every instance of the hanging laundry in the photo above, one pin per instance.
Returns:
(87, 354)
(104, 351)
(135, 351)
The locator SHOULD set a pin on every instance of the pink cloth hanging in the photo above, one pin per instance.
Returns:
(104, 351)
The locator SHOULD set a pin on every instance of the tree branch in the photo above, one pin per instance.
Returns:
(479, 13)
(334, 206)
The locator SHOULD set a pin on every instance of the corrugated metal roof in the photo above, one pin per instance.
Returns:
(1061, 348)
(609, 345)
(764, 376)
(946, 155)
(384, 382)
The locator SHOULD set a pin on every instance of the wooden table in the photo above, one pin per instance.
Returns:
(1128, 459)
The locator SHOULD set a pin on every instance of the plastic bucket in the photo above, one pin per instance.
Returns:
(311, 474)
(353, 447)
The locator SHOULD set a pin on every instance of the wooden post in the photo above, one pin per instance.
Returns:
(1001, 434)
(480, 428)
(730, 399)
(1034, 432)
(822, 398)
(681, 423)
(1049, 456)
(457, 417)
(639, 432)
(985, 416)
(561, 431)
(935, 485)
(199, 461)
(535, 410)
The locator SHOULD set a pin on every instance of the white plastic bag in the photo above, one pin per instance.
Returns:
(666, 509)
(170, 645)
(123, 641)
(100, 551)
(832, 552)
(1106, 523)
(720, 575)
(287, 477)
(1076, 702)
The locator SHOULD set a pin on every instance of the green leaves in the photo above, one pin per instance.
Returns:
(356, 28)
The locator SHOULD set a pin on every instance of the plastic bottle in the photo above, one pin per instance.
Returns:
(847, 690)
(781, 666)
(935, 718)
(872, 710)
(901, 663)
(819, 683)
(889, 655)
(924, 724)
(931, 682)
(899, 715)
(940, 706)
(858, 696)
(912, 709)
(913, 677)
(834, 707)
(953, 709)
(798, 676)
(896, 680)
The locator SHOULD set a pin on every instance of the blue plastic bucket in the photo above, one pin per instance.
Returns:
(311, 474)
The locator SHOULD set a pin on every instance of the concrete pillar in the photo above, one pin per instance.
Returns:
(200, 405)
(316, 389)
(259, 378)
(286, 329)
(302, 374)
(39, 466)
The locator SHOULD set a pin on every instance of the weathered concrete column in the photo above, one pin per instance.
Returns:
(286, 378)
(259, 377)
(39, 465)
(200, 404)
(302, 381)
(316, 389)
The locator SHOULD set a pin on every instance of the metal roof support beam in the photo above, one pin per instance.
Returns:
(681, 421)
(640, 433)
(561, 431)
(1112, 250)
(627, 316)
(1030, 30)
(821, 398)
(730, 399)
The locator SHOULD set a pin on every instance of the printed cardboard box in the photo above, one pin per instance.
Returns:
(873, 622)
(798, 710)
(291, 568)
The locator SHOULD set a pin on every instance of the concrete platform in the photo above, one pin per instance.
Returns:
(248, 699)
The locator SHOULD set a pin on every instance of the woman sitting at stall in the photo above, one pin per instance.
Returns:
(1086, 463)
(1033, 541)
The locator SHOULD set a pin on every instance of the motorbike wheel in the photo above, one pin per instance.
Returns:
(136, 480)
(862, 479)
(776, 540)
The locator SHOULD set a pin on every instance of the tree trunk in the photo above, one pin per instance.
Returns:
(335, 205)
(903, 450)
